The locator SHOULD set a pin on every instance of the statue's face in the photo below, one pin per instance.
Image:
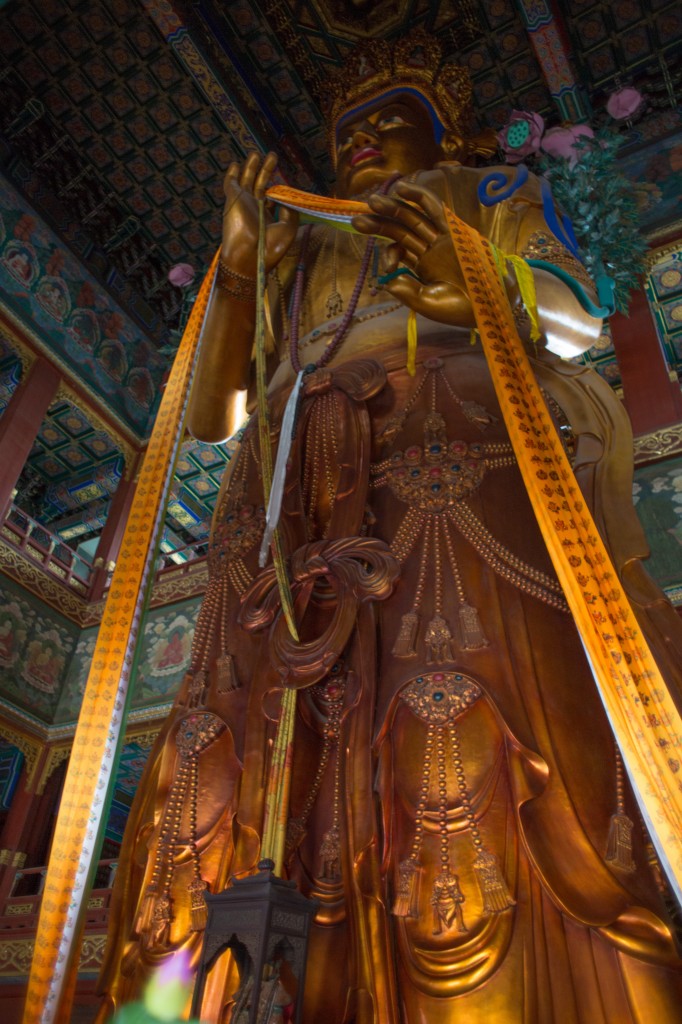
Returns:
(394, 135)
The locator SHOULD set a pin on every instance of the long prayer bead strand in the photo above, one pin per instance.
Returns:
(494, 890)
(407, 894)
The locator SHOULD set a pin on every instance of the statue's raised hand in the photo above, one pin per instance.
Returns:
(244, 185)
(413, 218)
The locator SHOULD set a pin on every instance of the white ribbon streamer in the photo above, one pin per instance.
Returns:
(280, 471)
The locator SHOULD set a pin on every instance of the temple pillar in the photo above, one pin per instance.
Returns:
(652, 399)
(548, 37)
(112, 534)
(17, 828)
(21, 422)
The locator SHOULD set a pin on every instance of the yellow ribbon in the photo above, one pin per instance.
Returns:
(640, 708)
(412, 343)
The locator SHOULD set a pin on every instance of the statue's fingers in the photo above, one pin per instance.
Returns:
(425, 198)
(249, 170)
(393, 230)
(407, 290)
(231, 178)
(264, 174)
(390, 258)
(416, 220)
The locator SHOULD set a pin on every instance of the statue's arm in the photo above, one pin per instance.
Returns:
(222, 375)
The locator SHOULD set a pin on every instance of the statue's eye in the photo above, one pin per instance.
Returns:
(392, 119)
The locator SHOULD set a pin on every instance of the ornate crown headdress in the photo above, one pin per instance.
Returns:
(414, 62)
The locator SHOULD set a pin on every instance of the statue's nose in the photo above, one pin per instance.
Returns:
(365, 135)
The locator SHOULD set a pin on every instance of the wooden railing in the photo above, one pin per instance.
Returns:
(20, 909)
(46, 549)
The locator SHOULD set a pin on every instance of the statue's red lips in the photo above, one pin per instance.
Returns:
(364, 154)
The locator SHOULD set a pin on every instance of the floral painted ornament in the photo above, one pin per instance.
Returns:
(624, 103)
(521, 136)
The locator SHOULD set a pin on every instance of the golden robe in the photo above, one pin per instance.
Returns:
(457, 714)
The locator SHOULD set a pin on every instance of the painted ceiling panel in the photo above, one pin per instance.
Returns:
(47, 287)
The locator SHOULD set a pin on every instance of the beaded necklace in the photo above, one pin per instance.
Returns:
(347, 318)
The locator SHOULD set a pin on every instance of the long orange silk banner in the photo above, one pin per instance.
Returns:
(640, 708)
(102, 712)
(643, 716)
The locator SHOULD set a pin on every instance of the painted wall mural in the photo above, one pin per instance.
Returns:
(36, 646)
(164, 658)
(76, 676)
(658, 500)
(48, 288)
(165, 654)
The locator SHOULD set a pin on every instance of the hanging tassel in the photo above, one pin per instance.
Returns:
(412, 343)
(619, 843)
(405, 640)
(227, 677)
(199, 911)
(496, 895)
(437, 639)
(294, 835)
(473, 636)
(407, 891)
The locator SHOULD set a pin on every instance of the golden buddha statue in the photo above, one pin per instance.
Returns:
(457, 804)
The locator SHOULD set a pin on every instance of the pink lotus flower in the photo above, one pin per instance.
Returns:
(561, 142)
(624, 103)
(521, 135)
(181, 274)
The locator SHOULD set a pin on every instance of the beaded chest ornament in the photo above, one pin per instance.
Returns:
(435, 480)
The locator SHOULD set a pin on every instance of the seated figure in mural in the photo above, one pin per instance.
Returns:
(457, 804)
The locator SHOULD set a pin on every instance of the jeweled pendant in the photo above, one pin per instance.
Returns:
(496, 895)
(473, 636)
(438, 641)
(404, 642)
(478, 415)
(619, 843)
(161, 921)
(334, 305)
(446, 900)
(197, 688)
(330, 853)
(392, 429)
(407, 890)
(226, 675)
(199, 911)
